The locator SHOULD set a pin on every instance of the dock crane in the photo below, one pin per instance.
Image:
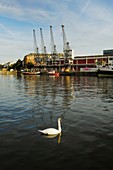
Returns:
(66, 47)
(64, 38)
(35, 48)
(42, 42)
(35, 43)
(43, 47)
(53, 46)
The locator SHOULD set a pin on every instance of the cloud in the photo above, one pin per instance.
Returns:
(12, 49)
(10, 8)
(6, 29)
(24, 12)
(87, 3)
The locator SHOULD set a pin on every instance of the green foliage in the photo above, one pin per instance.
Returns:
(18, 65)
(30, 65)
(9, 67)
(1, 66)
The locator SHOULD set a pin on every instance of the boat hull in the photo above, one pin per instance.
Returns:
(31, 73)
(105, 73)
(70, 73)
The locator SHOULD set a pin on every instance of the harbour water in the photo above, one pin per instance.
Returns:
(29, 103)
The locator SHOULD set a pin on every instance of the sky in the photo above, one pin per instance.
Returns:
(88, 26)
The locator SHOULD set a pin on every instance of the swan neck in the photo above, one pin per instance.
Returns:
(59, 125)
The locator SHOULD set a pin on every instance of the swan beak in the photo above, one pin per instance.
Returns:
(60, 119)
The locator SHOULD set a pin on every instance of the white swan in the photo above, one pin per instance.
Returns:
(52, 131)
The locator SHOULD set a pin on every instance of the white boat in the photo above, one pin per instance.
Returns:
(31, 73)
(105, 71)
(53, 72)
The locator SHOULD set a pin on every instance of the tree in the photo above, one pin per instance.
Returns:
(17, 65)
(1, 66)
(30, 65)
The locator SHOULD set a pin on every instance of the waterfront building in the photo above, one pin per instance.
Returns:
(78, 62)
(108, 52)
(29, 58)
(43, 59)
(93, 60)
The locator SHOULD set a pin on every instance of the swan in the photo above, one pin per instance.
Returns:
(52, 131)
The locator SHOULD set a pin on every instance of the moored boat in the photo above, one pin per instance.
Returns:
(70, 73)
(67, 72)
(53, 73)
(88, 71)
(31, 73)
(106, 71)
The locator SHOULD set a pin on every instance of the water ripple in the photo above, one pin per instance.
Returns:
(29, 103)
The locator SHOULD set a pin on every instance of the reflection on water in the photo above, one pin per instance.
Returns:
(47, 93)
(54, 136)
(30, 103)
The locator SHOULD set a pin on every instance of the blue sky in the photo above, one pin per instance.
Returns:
(88, 26)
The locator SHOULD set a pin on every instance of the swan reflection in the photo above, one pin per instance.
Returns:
(53, 136)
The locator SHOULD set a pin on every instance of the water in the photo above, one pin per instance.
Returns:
(29, 103)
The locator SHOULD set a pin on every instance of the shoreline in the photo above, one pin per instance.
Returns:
(8, 72)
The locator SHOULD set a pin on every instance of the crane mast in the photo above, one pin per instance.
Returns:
(42, 42)
(52, 40)
(35, 43)
(53, 46)
(64, 38)
(55, 51)
(66, 47)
